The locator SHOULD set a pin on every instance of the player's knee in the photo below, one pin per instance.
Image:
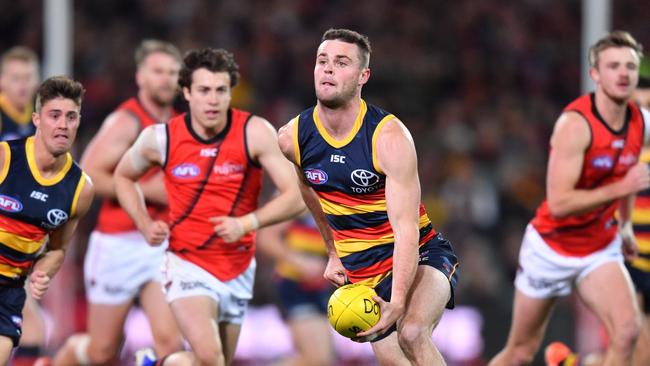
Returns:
(626, 334)
(102, 353)
(208, 354)
(411, 336)
(168, 343)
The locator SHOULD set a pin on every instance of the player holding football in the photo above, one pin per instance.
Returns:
(359, 178)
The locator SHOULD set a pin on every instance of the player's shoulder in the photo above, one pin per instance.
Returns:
(287, 135)
(571, 121)
(86, 195)
(391, 127)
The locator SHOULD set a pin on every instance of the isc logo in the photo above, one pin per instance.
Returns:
(38, 196)
(337, 159)
(208, 152)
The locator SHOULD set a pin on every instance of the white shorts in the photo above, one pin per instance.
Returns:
(118, 265)
(544, 273)
(184, 279)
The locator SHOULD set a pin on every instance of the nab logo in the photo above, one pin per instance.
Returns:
(208, 152)
(38, 196)
(316, 176)
(10, 204)
(602, 162)
(186, 170)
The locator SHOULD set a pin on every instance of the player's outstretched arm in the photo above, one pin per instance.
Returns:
(397, 159)
(50, 262)
(334, 271)
(569, 142)
(145, 153)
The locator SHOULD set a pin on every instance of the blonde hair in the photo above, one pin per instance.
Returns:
(149, 46)
(18, 53)
(617, 38)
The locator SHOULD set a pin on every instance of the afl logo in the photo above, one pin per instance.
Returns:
(316, 176)
(56, 216)
(186, 170)
(10, 204)
(602, 162)
(364, 178)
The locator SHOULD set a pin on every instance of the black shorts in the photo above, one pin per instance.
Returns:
(641, 281)
(12, 300)
(436, 253)
(297, 299)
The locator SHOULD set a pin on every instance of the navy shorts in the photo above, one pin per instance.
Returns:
(436, 253)
(12, 300)
(641, 281)
(297, 299)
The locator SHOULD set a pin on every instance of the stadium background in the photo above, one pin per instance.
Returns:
(479, 83)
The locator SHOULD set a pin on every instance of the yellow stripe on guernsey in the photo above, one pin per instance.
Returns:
(331, 208)
(29, 149)
(77, 192)
(375, 161)
(641, 216)
(340, 143)
(296, 144)
(6, 150)
(642, 264)
(12, 272)
(21, 244)
(346, 247)
(21, 118)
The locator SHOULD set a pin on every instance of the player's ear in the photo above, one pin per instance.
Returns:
(594, 74)
(138, 77)
(365, 75)
(186, 93)
(36, 119)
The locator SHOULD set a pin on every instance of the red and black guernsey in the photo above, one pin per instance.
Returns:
(205, 179)
(350, 185)
(31, 206)
(607, 159)
(112, 218)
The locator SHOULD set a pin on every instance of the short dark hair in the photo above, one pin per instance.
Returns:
(59, 86)
(350, 36)
(18, 53)
(214, 60)
(149, 46)
(617, 38)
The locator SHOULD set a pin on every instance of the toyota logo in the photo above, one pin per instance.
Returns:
(56, 216)
(364, 178)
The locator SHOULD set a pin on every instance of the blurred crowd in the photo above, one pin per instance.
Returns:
(479, 84)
